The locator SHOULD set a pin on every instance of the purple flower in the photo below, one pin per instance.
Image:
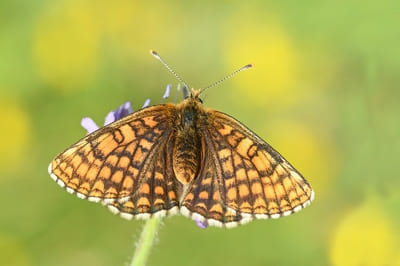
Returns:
(124, 110)
(88, 124)
(202, 224)
(91, 126)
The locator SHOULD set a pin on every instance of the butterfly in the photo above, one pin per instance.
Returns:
(182, 158)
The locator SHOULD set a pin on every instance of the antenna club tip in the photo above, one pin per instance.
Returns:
(246, 67)
(154, 53)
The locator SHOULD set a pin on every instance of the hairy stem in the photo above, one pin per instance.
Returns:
(145, 242)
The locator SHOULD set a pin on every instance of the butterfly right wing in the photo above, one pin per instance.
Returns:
(110, 163)
(242, 178)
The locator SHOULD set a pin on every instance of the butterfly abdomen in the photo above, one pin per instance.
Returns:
(186, 155)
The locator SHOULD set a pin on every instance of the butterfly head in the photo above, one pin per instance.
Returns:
(194, 95)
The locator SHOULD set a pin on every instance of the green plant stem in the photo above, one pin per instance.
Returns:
(145, 242)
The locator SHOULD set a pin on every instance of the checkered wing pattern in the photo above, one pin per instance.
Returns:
(155, 195)
(243, 178)
(120, 160)
(205, 200)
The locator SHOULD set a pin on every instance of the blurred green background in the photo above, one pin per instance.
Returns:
(324, 92)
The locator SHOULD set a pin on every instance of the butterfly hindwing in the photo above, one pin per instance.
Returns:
(109, 163)
(155, 195)
(204, 202)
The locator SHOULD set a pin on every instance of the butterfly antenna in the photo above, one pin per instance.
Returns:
(226, 77)
(158, 57)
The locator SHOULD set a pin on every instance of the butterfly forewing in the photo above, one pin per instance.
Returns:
(112, 162)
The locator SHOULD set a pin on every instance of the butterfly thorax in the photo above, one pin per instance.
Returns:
(187, 149)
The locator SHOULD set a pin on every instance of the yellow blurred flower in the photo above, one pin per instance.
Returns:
(14, 137)
(114, 17)
(366, 236)
(66, 44)
(71, 38)
(135, 27)
(257, 37)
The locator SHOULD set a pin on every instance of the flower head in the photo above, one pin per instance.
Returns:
(91, 126)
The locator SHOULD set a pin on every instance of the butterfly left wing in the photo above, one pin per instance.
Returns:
(109, 164)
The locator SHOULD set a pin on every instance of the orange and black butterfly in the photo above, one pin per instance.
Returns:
(168, 159)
